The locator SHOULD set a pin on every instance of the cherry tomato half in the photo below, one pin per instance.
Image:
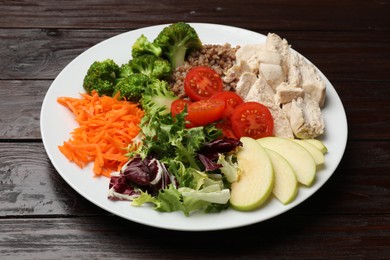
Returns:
(178, 106)
(201, 83)
(231, 99)
(252, 119)
(205, 111)
(226, 128)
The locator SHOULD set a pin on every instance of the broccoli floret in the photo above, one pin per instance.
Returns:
(101, 76)
(147, 64)
(124, 71)
(162, 69)
(132, 87)
(175, 40)
(150, 65)
(143, 46)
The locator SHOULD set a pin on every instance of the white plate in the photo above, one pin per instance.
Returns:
(57, 123)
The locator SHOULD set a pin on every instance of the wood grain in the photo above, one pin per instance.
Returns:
(20, 108)
(31, 186)
(339, 55)
(331, 237)
(267, 15)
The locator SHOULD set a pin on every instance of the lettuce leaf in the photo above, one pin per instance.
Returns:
(168, 152)
(167, 200)
(229, 168)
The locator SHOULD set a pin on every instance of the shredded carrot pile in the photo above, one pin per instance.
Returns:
(107, 126)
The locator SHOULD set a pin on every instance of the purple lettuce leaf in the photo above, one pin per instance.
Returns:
(208, 154)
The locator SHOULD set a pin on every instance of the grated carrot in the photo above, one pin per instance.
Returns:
(107, 126)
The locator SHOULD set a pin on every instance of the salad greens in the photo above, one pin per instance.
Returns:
(180, 180)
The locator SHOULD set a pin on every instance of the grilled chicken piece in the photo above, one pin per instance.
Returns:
(247, 79)
(269, 57)
(282, 126)
(286, 93)
(312, 82)
(261, 92)
(250, 54)
(272, 73)
(305, 117)
(275, 43)
(294, 73)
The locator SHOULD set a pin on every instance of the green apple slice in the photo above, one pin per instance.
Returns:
(256, 180)
(286, 183)
(317, 143)
(299, 158)
(318, 156)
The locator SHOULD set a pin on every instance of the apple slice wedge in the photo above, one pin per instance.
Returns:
(318, 156)
(317, 143)
(299, 158)
(256, 180)
(286, 183)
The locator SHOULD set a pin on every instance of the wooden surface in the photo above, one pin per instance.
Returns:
(42, 217)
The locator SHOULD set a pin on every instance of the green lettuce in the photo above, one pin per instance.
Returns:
(167, 138)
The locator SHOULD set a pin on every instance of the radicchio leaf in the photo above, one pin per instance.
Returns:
(209, 152)
(208, 163)
(120, 189)
(148, 175)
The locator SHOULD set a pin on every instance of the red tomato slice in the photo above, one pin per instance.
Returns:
(252, 119)
(231, 99)
(227, 130)
(205, 111)
(202, 82)
(178, 106)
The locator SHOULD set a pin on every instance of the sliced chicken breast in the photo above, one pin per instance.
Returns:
(272, 73)
(312, 82)
(250, 54)
(286, 93)
(305, 117)
(245, 83)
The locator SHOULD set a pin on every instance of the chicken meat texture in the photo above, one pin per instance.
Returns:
(284, 81)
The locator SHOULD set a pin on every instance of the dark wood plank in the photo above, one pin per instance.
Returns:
(43, 53)
(287, 237)
(21, 103)
(30, 185)
(265, 14)
(360, 182)
(367, 106)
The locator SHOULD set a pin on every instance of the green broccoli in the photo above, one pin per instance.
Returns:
(150, 65)
(175, 40)
(124, 71)
(101, 76)
(132, 87)
(143, 46)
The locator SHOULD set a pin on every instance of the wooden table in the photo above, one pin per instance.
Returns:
(42, 217)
